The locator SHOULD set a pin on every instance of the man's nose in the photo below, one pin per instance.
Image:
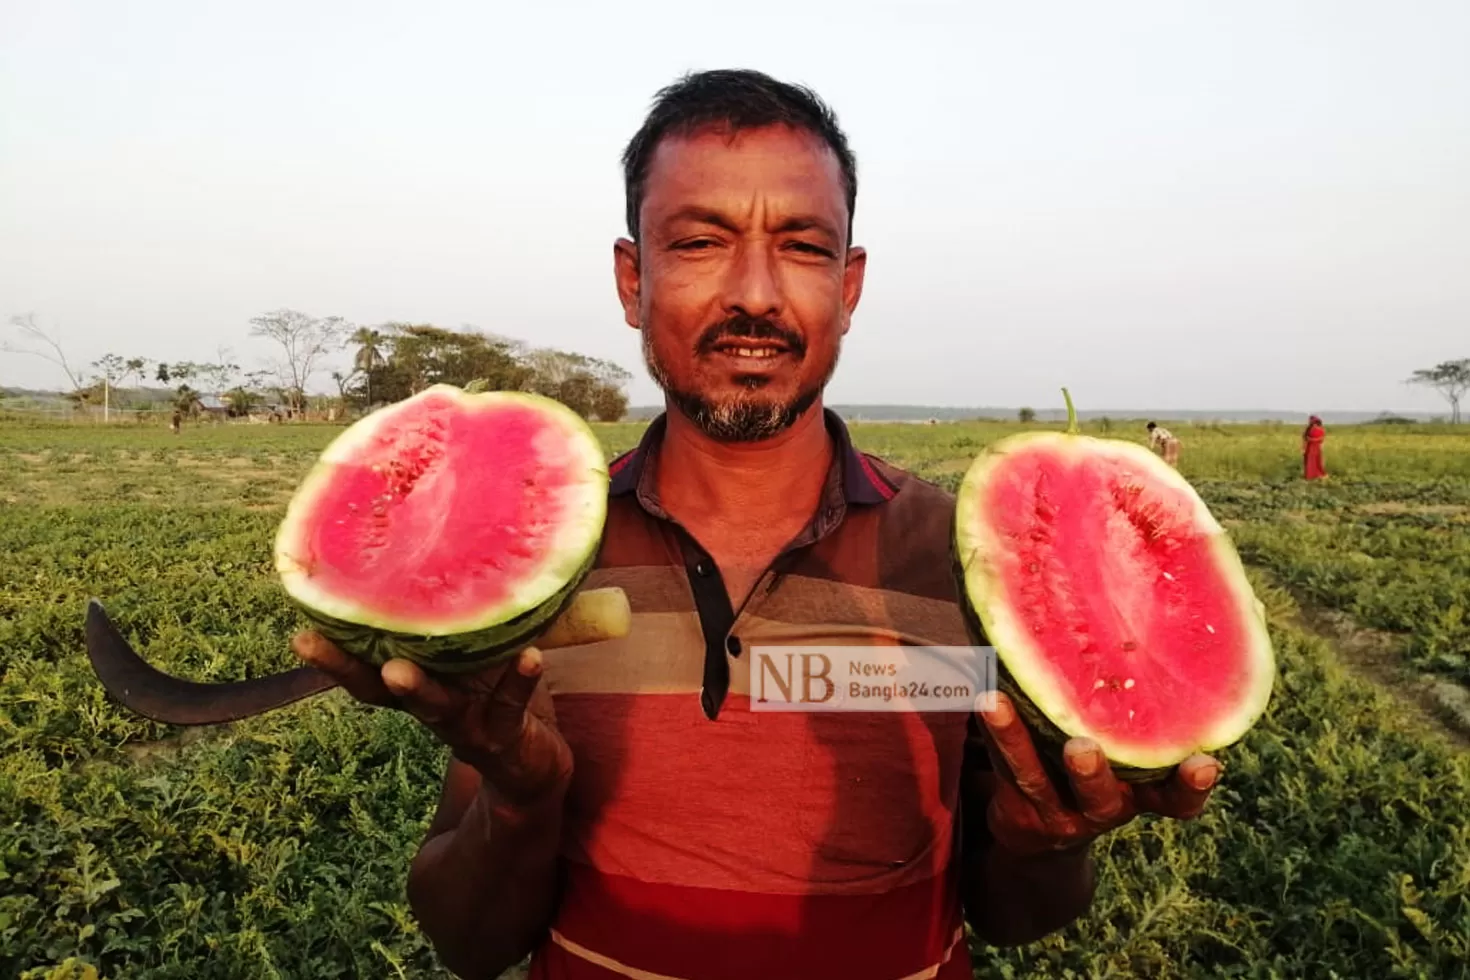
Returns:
(752, 286)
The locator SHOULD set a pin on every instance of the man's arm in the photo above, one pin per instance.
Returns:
(1012, 899)
(483, 885)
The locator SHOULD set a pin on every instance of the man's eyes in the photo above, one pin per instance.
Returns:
(704, 244)
(812, 249)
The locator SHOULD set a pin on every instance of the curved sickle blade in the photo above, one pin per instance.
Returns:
(143, 688)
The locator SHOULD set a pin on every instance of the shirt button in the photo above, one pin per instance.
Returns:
(733, 645)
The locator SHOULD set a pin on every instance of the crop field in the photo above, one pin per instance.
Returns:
(1337, 846)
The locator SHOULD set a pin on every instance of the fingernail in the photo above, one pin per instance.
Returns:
(1085, 760)
(1206, 776)
(530, 662)
(1002, 714)
(394, 680)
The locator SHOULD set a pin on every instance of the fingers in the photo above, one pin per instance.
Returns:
(419, 694)
(357, 678)
(512, 696)
(1101, 797)
(499, 721)
(529, 758)
(1184, 795)
(1010, 741)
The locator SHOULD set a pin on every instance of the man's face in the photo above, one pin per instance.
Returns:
(743, 284)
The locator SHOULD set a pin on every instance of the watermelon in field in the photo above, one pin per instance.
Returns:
(449, 528)
(1116, 603)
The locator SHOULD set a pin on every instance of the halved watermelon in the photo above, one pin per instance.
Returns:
(448, 528)
(1116, 603)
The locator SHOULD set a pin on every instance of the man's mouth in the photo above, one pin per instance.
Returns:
(759, 351)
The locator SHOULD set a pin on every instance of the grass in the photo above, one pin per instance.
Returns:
(1339, 845)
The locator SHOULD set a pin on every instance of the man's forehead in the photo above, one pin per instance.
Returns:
(781, 159)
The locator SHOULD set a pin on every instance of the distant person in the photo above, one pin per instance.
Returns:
(174, 422)
(1312, 449)
(1164, 442)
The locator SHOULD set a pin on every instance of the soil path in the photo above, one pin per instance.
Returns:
(1378, 656)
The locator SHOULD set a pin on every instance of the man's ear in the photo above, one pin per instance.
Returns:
(852, 283)
(626, 275)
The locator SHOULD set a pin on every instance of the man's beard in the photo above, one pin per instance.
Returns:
(740, 418)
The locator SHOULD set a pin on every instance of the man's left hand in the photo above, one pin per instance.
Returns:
(1026, 814)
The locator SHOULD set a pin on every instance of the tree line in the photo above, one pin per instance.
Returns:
(392, 361)
(386, 363)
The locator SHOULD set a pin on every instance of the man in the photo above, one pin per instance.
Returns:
(617, 809)
(1164, 442)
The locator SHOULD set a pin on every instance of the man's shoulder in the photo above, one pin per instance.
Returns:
(911, 536)
(912, 489)
(918, 517)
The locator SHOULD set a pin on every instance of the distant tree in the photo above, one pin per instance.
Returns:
(591, 387)
(1450, 378)
(135, 368)
(1027, 415)
(242, 400)
(420, 355)
(111, 369)
(216, 376)
(36, 337)
(304, 340)
(187, 401)
(610, 404)
(368, 358)
(219, 375)
(179, 371)
(402, 359)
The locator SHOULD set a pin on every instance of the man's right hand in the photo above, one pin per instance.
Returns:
(499, 720)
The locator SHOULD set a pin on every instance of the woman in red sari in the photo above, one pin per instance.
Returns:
(1312, 449)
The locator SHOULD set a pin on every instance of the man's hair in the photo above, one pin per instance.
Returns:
(736, 99)
(1153, 425)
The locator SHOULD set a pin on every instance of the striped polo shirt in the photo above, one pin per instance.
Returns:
(706, 840)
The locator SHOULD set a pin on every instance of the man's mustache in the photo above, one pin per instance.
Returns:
(750, 328)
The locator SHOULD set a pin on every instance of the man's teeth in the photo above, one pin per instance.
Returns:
(756, 351)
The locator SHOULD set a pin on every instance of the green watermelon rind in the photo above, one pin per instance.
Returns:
(489, 633)
(1038, 701)
(454, 654)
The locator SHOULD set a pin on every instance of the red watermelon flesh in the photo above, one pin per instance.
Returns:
(1115, 601)
(446, 513)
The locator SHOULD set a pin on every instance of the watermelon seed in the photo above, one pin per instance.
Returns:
(1168, 576)
(1128, 684)
(1130, 714)
(1209, 627)
(1099, 684)
(1130, 645)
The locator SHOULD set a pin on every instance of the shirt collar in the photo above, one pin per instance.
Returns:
(860, 482)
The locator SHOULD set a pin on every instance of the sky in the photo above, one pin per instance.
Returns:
(1161, 205)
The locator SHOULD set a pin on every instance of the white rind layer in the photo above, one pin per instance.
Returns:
(584, 515)
(978, 548)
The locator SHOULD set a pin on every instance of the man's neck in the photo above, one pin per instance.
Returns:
(770, 482)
